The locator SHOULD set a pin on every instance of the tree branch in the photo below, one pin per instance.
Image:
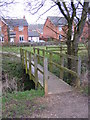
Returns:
(62, 11)
(46, 11)
(74, 11)
(66, 9)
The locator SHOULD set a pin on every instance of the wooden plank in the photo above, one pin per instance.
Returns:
(45, 80)
(50, 60)
(62, 64)
(79, 72)
(43, 52)
(23, 57)
(26, 61)
(30, 65)
(38, 55)
(21, 54)
(36, 71)
(65, 69)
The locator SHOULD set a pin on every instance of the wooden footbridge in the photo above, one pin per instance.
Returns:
(43, 77)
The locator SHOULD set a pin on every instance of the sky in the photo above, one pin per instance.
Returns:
(19, 10)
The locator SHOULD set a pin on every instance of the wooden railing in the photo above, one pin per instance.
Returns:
(61, 65)
(30, 62)
(62, 48)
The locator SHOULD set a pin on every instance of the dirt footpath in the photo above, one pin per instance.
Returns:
(65, 105)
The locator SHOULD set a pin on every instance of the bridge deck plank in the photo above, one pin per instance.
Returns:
(55, 84)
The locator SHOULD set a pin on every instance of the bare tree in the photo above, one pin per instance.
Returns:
(75, 13)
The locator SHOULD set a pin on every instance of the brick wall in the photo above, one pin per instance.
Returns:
(50, 30)
(24, 32)
(84, 35)
(4, 30)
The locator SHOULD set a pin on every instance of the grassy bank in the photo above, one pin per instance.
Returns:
(21, 104)
(16, 102)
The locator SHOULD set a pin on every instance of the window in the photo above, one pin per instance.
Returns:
(1, 39)
(20, 28)
(11, 28)
(60, 28)
(60, 36)
(0, 28)
(21, 38)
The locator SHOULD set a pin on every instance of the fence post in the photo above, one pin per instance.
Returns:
(46, 48)
(50, 62)
(38, 55)
(43, 53)
(60, 49)
(26, 60)
(23, 57)
(30, 65)
(79, 72)
(34, 50)
(35, 71)
(45, 79)
(21, 54)
(62, 64)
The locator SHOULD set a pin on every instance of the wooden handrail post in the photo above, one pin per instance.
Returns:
(79, 72)
(50, 62)
(62, 64)
(23, 57)
(60, 49)
(38, 55)
(26, 60)
(30, 70)
(45, 78)
(21, 54)
(79, 66)
(46, 48)
(43, 53)
(35, 71)
(34, 50)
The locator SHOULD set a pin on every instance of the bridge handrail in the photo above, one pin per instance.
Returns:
(61, 66)
(44, 71)
(65, 55)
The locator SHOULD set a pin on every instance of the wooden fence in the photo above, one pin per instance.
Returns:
(32, 59)
(27, 59)
(61, 65)
(62, 48)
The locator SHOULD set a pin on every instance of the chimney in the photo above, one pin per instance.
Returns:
(24, 17)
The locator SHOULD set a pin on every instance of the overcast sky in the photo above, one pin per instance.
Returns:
(19, 10)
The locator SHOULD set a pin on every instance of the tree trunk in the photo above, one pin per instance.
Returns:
(74, 53)
(69, 51)
(69, 45)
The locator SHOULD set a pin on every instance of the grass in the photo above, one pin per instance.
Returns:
(12, 66)
(17, 104)
(21, 104)
(56, 58)
(85, 89)
(25, 95)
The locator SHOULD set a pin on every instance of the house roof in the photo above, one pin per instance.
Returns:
(33, 34)
(12, 33)
(58, 20)
(35, 27)
(16, 22)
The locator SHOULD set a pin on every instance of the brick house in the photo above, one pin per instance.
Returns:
(54, 28)
(85, 32)
(14, 30)
(3, 30)
(33, 36)
(36, 29)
